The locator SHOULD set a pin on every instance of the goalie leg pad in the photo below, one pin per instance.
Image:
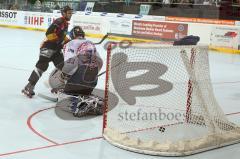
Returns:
(55, 79)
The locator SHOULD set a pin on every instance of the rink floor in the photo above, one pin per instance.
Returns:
(30, 128)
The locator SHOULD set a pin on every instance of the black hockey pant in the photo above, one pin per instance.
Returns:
(42, 65)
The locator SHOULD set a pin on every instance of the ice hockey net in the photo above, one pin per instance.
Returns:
(163, 101)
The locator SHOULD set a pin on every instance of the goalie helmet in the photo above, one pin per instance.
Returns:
(76, 32)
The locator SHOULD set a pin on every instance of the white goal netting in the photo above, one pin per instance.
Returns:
(163, 102)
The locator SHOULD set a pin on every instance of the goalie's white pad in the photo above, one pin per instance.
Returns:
(55, 79)
(81, 105)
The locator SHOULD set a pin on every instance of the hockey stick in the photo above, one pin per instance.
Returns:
(52, 99)
(100, 74)
(103, 38)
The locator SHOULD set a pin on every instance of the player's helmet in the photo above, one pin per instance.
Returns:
(65, 9)
(76, 31)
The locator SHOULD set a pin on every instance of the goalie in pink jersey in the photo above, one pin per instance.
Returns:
(78, 77)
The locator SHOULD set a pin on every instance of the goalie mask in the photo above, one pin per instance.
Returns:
(76, 32)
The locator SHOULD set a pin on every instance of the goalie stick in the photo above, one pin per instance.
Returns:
(103, 38)
(55, 99)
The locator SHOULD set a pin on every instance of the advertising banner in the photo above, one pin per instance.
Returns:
(89, 7)
(37, 19)
(9, 17)
(159, 30)
(28, 20)
(120, 25)
(225, 37)
(91, 24)
(200, 20)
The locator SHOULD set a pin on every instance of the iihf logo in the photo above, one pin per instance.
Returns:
(33, 20)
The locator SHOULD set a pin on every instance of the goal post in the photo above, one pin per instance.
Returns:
(166, 104)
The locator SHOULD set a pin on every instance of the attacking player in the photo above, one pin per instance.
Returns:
(50, 49)
(79, 76)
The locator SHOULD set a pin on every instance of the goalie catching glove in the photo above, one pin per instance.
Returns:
(81, 105)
